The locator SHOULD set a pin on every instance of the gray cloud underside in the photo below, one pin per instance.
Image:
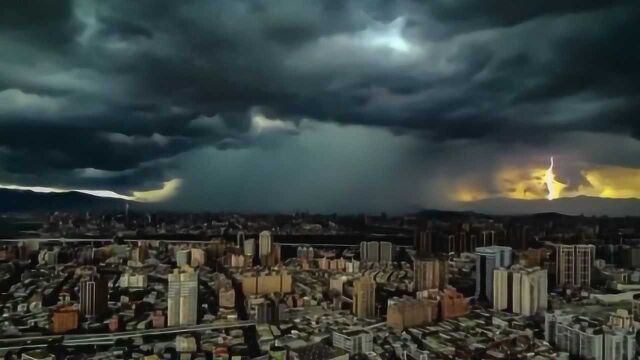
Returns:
(112, 94)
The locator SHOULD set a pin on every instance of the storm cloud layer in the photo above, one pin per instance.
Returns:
(124, 95)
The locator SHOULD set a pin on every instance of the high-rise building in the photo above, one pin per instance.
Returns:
(363, 251)
(140, 253)
(276, 282)
(423, 243)
(182, 297)
(183, 257)
(585, 256)
(635, 307)
(520, 290)
(589, 338)
(501, 289)
(264, 243)
(409, 312)
(94, 295)
(488, 238)
(240, 238)
(198, 257)
(487, 259)
(65, 318)
(430, 274)
(261, 309)
(386, 252)
(452, 303)
(620, 336)
(574, 264)
(352, 266)
(249, 247)
(373, 252)
(364, 298)
(531, 286)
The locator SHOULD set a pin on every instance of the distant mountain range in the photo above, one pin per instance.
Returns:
(30, 201)
(579, 205)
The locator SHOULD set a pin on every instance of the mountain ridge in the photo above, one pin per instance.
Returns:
(578, 205)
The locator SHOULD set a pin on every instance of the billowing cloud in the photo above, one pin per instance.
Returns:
(116, 95)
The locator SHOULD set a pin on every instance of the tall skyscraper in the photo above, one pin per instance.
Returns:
(487, 259)
(249, 247)
(501, 289)
(94, 295)
(373, 252)
(529, 290)
(363, 251)
(183, 257)
(585, 256)
(565, 265)
(423, 243)
(574, 264)
(364, 298)
(386, 252)
(264, 243)
(488, 238)
(240, 238)
(140, 252)
(430, 274)
(182, 297)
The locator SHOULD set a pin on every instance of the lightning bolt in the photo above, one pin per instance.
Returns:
(550, 179)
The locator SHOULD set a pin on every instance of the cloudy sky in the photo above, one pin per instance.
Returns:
(321, 105)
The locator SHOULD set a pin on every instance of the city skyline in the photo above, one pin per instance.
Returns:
(325, 106)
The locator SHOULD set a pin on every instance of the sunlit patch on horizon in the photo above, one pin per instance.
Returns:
(44, 189)
(168, 190)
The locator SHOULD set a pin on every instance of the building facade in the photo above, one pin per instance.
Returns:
(94, 295)
(364, 298)
(488, 259)
(182, 297)
(430, 274)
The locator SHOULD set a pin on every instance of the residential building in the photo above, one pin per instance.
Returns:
(353, 341)
(501, 289)
(65, 318)
(488, 259)
(386, 252)
(183, 257)
(408, 312)
(274, 282)
(364, 298)
(423, 243)
(198, 257)
(574, 264)
(452, 304)
(249, 247)
(182, 297)
(94, 295)
(430, 274)
(264, 243)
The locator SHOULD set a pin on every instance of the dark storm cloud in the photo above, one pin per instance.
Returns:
(124, 87)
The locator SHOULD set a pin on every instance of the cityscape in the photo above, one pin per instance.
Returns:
(430, 285)
(319, 180)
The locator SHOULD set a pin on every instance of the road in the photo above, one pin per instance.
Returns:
(105, 338)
